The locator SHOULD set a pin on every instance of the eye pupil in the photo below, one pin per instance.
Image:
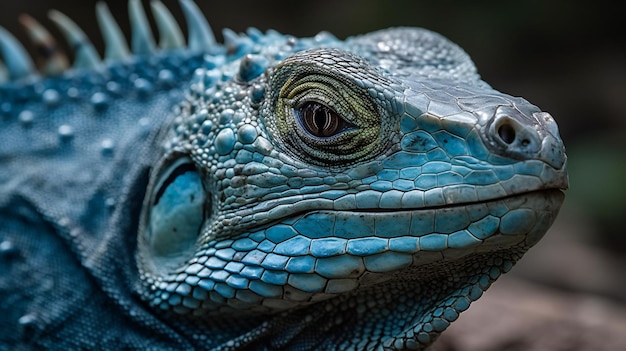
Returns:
(320, 120)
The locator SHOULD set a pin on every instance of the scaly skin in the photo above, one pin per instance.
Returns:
(305, 194)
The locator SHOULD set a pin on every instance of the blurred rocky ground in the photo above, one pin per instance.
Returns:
(516, 315)
(569, 58)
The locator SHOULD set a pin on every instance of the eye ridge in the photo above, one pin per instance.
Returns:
(320, 120)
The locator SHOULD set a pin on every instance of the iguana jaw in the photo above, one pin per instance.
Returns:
(366, 246)
(322, 254)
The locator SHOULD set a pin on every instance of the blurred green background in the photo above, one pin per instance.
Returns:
(567, 57)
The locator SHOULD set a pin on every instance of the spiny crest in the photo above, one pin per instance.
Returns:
(16, 64)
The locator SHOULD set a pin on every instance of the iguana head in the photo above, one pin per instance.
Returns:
(376, 186)
(307, 193)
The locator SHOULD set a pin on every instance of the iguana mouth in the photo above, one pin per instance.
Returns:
(458, 204)
(274, 210)
(387, 222)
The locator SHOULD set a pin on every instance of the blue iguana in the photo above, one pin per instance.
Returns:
(267, 193)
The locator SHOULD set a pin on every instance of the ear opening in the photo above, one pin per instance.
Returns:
(173, 216)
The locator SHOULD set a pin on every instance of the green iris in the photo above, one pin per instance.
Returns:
(323, 117)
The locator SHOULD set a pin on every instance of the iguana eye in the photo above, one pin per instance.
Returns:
(321, 113)
(320, 121)
(175, 212)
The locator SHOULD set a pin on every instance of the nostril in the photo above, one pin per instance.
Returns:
(510, 132)
(506, 132)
